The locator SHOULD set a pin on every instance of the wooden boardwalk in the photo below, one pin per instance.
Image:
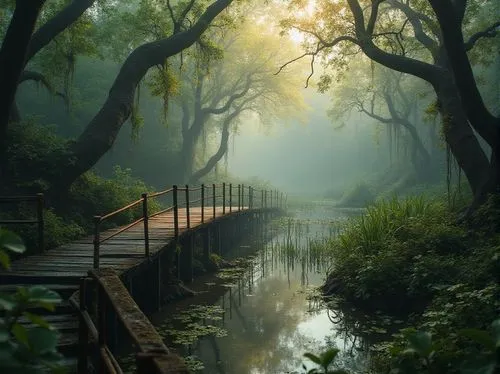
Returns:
(68, 263)
(61, 268)
(122, 248)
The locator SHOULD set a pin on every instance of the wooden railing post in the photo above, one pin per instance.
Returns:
(145, 218)
(83, 333)
(271, 193)
(250, 197)
(281, 201)
(97, 240)
(262, 198)
(213, 199)
(39, 212)
(230, 197)
(202, 203)
(101, 319)
(239, 197)
(224, 198)
(265, 198)
(176, 212)
(188, 220)
(242, 196)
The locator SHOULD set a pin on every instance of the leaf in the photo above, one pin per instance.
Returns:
(37, 320)
(420, 342)
(42, 340)
(6, 302)
(482, 365)
(11, 242)
(479, 336)
(21, 334)
(328, 356)
(4, 260)
(43, 297)
(313, 358)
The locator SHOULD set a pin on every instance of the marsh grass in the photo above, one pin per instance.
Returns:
(366, 234)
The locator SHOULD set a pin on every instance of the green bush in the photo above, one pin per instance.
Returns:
(394, 255)
(357, 197)
(411, 256)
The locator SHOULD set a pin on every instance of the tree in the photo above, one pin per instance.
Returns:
(391, 99)
(221, 90)
(380, 30)
(191, 21)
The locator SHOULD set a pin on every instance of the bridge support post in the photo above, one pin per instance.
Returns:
(206, 245)
(186, 259)
(218, 239)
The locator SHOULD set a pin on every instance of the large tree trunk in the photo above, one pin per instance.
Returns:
(212, 162)
(462, 141)
(100, 134)
(12, 57)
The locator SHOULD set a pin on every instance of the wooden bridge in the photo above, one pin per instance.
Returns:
(127, 266)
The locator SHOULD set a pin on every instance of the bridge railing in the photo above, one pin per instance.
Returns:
(103, 299)
(36, 200)
(210, 201)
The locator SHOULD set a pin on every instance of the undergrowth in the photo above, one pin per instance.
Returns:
(411, 258)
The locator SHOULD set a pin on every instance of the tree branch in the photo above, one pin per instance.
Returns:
(101, 132)
(56, 25)
(486, 124)
(425, 71)
(415, 19)
(489, 32)
(232, 98)
(12, 59)
(222, 147)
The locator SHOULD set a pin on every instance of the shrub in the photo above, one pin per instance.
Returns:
(357, 197)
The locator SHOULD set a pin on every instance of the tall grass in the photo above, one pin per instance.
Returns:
(368, 232)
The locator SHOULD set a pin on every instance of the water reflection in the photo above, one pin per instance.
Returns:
(270, 313)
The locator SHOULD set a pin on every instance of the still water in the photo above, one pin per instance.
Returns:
(267, 317)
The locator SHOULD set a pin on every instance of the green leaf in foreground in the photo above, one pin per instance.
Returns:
(11, 242)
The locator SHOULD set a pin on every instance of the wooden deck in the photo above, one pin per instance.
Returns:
(61, 268)
(72, 261)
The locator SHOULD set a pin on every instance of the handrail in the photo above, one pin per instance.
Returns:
(156, 194)
(131, 205)
(39, 221)
(231, 197)
(112, 300)
(124, 228)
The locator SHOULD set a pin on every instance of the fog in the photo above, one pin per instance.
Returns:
(308, 158)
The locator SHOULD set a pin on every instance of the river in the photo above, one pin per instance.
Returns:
(267, 316)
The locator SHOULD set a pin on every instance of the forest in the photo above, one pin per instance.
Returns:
(378, 119)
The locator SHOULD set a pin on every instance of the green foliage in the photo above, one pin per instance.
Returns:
(324, 360)
(358, 196)
(94, 195)
(411, 256)
(401, 252)
(420, 352)
(29, 147)
(26, 349)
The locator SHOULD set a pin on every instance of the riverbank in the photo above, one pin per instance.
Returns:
(411, 260)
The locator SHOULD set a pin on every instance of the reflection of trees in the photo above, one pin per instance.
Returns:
(264, 335)
(262, 331)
